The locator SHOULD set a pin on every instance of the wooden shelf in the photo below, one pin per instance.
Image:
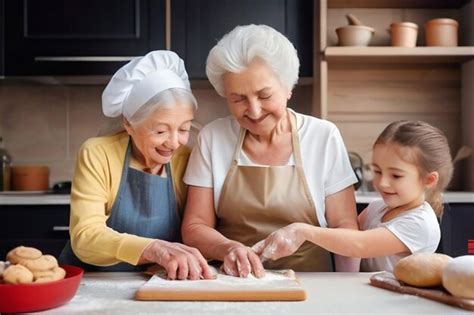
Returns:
(434, 4)
(399, 54)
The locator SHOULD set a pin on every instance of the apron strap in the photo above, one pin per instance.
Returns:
(240, 141)
(298, 160)
(295, 139)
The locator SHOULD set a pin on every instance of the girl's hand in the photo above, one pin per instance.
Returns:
(180, 261)
(281, 243)
(240, 261)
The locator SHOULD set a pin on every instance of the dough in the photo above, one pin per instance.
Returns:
(422, 269)
(458, 277)
(17, 274)
(57, 273)
(43, 263)
(22, 253)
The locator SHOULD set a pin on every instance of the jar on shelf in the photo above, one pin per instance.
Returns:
(403, 34)
(441, 32)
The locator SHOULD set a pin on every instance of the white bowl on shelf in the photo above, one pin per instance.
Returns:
(354, 35)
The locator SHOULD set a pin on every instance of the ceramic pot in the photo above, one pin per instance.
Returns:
(354, 35)
(441, 32)
(403, 34)
(30, 177)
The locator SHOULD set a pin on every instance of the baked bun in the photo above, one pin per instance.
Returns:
(43, 263)
(421, 269)
(56, 273)
(17, 274)
(21, 254)
(28, 264)
(458, 277)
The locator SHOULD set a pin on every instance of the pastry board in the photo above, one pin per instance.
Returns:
(388, 281)
(275, 286)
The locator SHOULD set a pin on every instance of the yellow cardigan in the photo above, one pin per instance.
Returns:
(94, 188)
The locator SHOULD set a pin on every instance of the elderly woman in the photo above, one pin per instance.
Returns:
(265, 166)
(127, 188)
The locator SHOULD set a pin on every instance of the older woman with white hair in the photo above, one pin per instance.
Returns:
(127, 189)
(265, 166)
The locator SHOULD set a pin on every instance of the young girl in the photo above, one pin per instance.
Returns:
(412, 166)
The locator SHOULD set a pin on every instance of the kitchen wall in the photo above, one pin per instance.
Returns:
(46, 124)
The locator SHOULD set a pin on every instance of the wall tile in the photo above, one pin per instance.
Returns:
(34, 123)
(85, 115)
(46, 124)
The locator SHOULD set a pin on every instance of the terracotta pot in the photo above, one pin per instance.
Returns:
(441, 32)
(354, 35)
(403, 34)
(30, 177)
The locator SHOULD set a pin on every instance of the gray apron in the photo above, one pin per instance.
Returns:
(145, 206)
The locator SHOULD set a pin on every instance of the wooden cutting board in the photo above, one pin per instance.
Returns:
(388, 281)
(275, 286)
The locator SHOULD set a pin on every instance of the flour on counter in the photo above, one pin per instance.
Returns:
(272, 280)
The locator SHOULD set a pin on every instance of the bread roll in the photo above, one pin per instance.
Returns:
(22, 253)
(43, 263)
(57, 273)
(17, 274)
(458, 277)
(422, 269)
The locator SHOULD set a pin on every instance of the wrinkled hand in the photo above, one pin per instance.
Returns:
(240, 261)
(180, 261)
(280, 243)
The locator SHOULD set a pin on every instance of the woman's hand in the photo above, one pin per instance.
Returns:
(241, 260)
(180, 261)
(281, 243)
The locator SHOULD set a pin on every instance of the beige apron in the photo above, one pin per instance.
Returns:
(256, 201)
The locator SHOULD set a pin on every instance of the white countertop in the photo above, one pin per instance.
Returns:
(25, 198)
(16, 198)
(113, 293)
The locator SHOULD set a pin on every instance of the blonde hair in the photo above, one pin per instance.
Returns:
(430, 153)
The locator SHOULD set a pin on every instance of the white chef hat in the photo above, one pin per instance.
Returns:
(141, 79)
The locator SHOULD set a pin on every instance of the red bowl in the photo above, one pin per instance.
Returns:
(15, 298)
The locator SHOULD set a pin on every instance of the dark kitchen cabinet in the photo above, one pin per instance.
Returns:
(75, 37)
(41, 226)
(2, 38)
(197, 25)
(457, 229)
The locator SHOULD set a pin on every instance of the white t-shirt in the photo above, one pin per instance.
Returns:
(324, 157)
(417, 228)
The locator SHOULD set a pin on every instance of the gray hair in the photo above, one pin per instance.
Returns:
(167, 98)
(238, 48)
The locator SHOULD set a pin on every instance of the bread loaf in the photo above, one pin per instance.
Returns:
(422, 269)
(458, 277)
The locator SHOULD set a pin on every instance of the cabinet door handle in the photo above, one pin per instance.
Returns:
(84, 58)
(58, 228)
